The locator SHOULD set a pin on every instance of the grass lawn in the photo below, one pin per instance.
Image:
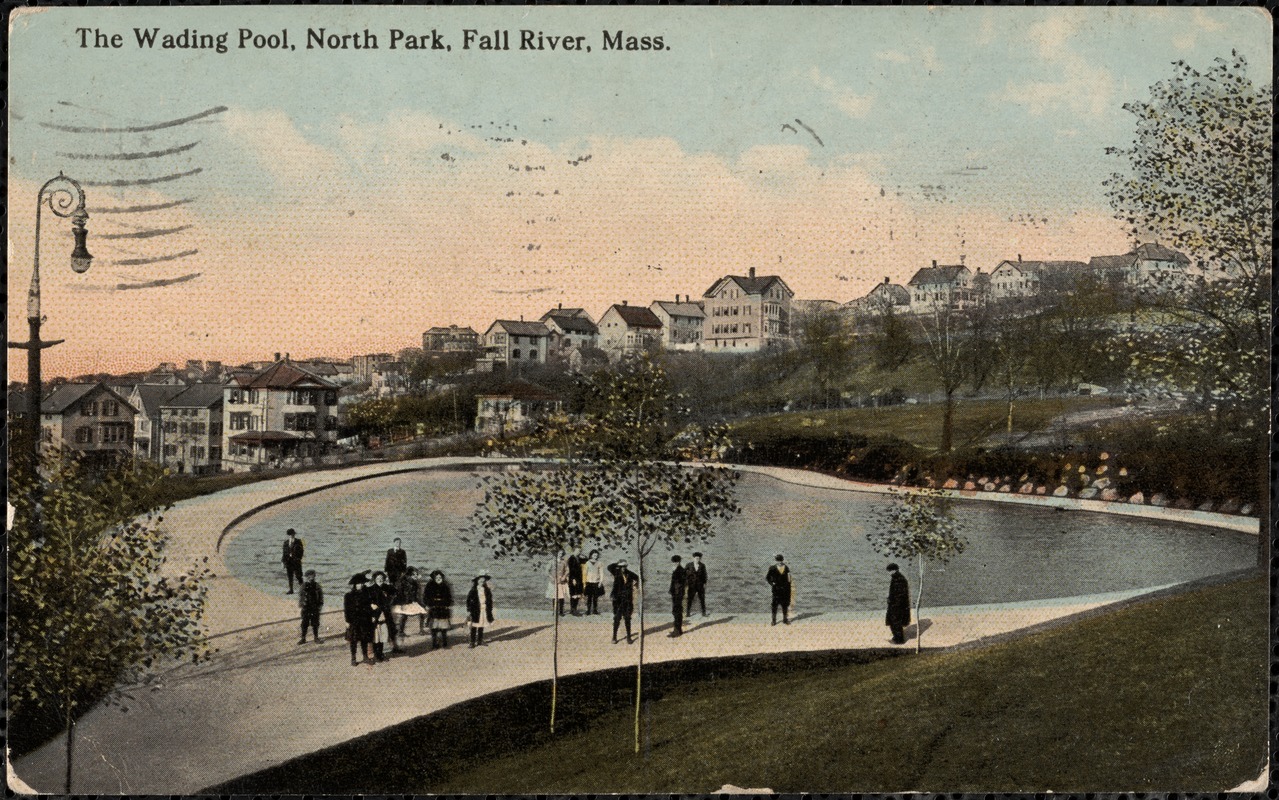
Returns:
(919, 424)
(1165, 695)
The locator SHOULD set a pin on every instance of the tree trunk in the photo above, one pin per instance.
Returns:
(919, 599)
(66, 783)
(948, 422)
(555, 649)
(639, 665)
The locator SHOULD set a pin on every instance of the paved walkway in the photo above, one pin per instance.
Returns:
(263, 699)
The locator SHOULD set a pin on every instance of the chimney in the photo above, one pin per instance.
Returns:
(559, 305)
(286, 356)
(623, 302)
(885, 279)
(752, 272)
(277, 356)
(961, 259)
(1019, 258)
(521, 317)
(934, 263)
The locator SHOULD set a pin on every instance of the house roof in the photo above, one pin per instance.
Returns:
(282, 375)
(18, 403)
(572, 324)
(894, 293)
(750, 284)
(1153, 251)
(520, 389)
(452, 330)
(521, 328)
(197, 395)
(151, 396)
(636, 316)
(942, 274)
(264, 436)
(67, 395)
(693, 310)
(561, 311)
(1111, 262)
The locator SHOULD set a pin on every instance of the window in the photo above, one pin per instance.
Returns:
(197, 452)
(171, 426)
(170, 450)
(215, 428)
(110, 408)
(330, 423)
(184, 427)
(115, 433)
(89, 408)
(84, 435)
(330, 398)
(241, 421)
(515, 354)
(302, 398)
(236, 396)
(532, 354)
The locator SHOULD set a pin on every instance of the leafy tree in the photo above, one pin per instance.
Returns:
(826, 344)
(1197, 176)
(93, 604)
(919, 526)
(945, 352)
(536, 514)
(891, 341)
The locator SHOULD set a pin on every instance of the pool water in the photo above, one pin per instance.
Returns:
(1015, 553)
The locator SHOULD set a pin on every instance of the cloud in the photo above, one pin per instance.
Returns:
(277, 144)
(1079, 85)
(927, 57)
(851, 103)
(1202, 22)
(895, 56)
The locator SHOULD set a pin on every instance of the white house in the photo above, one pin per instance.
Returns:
(627, 329)
(682, 323)
(746, 313)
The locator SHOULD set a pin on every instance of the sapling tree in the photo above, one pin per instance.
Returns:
(919, 526)
(94, 604)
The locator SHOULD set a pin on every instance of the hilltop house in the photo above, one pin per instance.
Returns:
(627, 329)
(747, 313)
(1148, 265)
(452, 339)
(682, 323)
(91, 419)
(886, 296)
(948, 286)
(515, 342)
(570, 329)
(1018, 279)
(275, 415)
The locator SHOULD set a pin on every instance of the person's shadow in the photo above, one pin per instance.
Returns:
(709, 623)
(806, 615)
(914, 629)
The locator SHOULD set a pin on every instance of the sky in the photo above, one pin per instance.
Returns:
(342, 201)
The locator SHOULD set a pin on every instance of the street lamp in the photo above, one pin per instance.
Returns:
(65, 198)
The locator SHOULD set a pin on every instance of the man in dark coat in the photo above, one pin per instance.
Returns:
(575, 583)
(311, 600)
(625, 584)
(359, 617)
(898, 616)
(679, 584)
(397, 563)
(779, 577)
(696, 584)
(382, 597)
(479, 608)
(292, 557)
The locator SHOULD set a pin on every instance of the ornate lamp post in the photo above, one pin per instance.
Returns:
(65, 198)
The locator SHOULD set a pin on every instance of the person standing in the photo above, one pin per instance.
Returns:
(439, 608)
(593, 578)
(292, 557)
(625, 584)
(557, 589)
(575, 582)
(406, 605)
(356, 607)
(310, 600)
(397, 562)
(780, 578)
(696, 584)
(679, 585)
(479, 608)
(898, 616)
(381, 600)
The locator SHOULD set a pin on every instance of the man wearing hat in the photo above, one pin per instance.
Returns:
(696, 584)
(292, 558)
(359, 616)
(625, 584)
(898, 616)
(779, 577)
(679, 584)
(310, 600)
